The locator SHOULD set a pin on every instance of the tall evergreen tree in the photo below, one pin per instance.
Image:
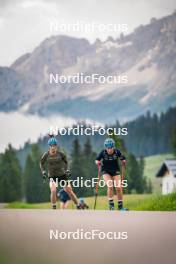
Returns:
(35, 190)
(149, 186)
(87, 151)
(10, 176)
(77, 164)
(174, 141)
(141, 165)
(136, 181)
(90, 169)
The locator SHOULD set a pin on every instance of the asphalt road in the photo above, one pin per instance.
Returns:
(25, 237)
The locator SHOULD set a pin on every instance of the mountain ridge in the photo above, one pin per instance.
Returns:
(147, 56)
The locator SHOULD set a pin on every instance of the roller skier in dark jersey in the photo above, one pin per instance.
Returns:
(108, 160)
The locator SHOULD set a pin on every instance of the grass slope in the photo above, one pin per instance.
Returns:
(137, 202)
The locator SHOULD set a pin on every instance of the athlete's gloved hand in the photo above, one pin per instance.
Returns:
(68, 173)
(124, 163)
(98, 162)
(44, 175)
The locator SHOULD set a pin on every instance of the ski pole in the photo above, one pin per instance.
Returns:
(97, 185)
(123, 176)
(123, 172)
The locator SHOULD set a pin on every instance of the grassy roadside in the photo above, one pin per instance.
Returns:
(137, 202)
(159, 203)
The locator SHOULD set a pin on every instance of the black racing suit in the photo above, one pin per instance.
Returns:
(110, 163)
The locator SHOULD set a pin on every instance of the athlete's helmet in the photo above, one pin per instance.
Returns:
(52, 141)
(109, 143)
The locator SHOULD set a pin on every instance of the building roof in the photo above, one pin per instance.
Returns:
(168, 165)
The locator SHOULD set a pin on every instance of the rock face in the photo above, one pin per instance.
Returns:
(11, 90)
(147, 56)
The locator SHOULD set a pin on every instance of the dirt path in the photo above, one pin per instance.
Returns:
(25, 237)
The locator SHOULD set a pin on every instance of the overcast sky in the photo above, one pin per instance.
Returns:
(25, 23)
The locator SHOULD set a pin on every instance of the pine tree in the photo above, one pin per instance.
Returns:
(10, 176)
(90, 169)
(174, 141)
(35, 190)
(87, 151)
(77, 165)
(149, 186)
(119, 143)
(141, 165)
(136, 180)
(146, 187)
